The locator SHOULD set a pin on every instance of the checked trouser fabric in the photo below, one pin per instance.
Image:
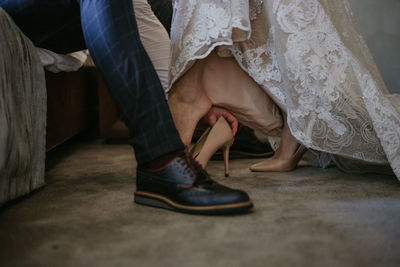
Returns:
(108, 29)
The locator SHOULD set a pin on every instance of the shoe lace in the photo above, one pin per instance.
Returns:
(202, 177)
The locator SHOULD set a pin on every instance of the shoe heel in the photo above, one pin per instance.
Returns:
(226, 158)
(212, 140)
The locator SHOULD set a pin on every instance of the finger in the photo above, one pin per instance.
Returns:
(235, 126)
(212, 119)
(232, 121)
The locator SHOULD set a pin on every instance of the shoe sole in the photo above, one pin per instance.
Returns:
(159, 201)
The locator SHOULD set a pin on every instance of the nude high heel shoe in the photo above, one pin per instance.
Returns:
(218, 137)
(278, 165)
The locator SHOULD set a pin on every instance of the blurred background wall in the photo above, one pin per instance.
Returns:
(379, 21)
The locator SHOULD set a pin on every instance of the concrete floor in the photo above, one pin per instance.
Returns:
(85, 216)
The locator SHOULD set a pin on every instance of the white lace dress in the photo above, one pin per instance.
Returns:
(309, 56)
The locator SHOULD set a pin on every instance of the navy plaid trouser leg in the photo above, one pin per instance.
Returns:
(111, 35)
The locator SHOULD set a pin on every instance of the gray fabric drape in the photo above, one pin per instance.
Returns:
(22, 113)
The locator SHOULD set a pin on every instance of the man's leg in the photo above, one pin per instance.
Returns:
(113, 40)
(111, 35)
(181, 184)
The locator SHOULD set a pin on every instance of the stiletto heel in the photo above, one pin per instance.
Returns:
(226, 158)
(279, 165)
(217, 137)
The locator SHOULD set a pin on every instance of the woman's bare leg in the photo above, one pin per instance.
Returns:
(188, 102)
(221, 82)
(286, 157)
(228, 86)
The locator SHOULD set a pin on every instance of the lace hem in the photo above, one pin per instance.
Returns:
(300, 54)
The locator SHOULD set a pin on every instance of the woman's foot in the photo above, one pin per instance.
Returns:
(288, 146)
(285, 158)
(277, 164)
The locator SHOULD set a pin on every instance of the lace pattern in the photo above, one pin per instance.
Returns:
(306, 61)
(200, 26)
